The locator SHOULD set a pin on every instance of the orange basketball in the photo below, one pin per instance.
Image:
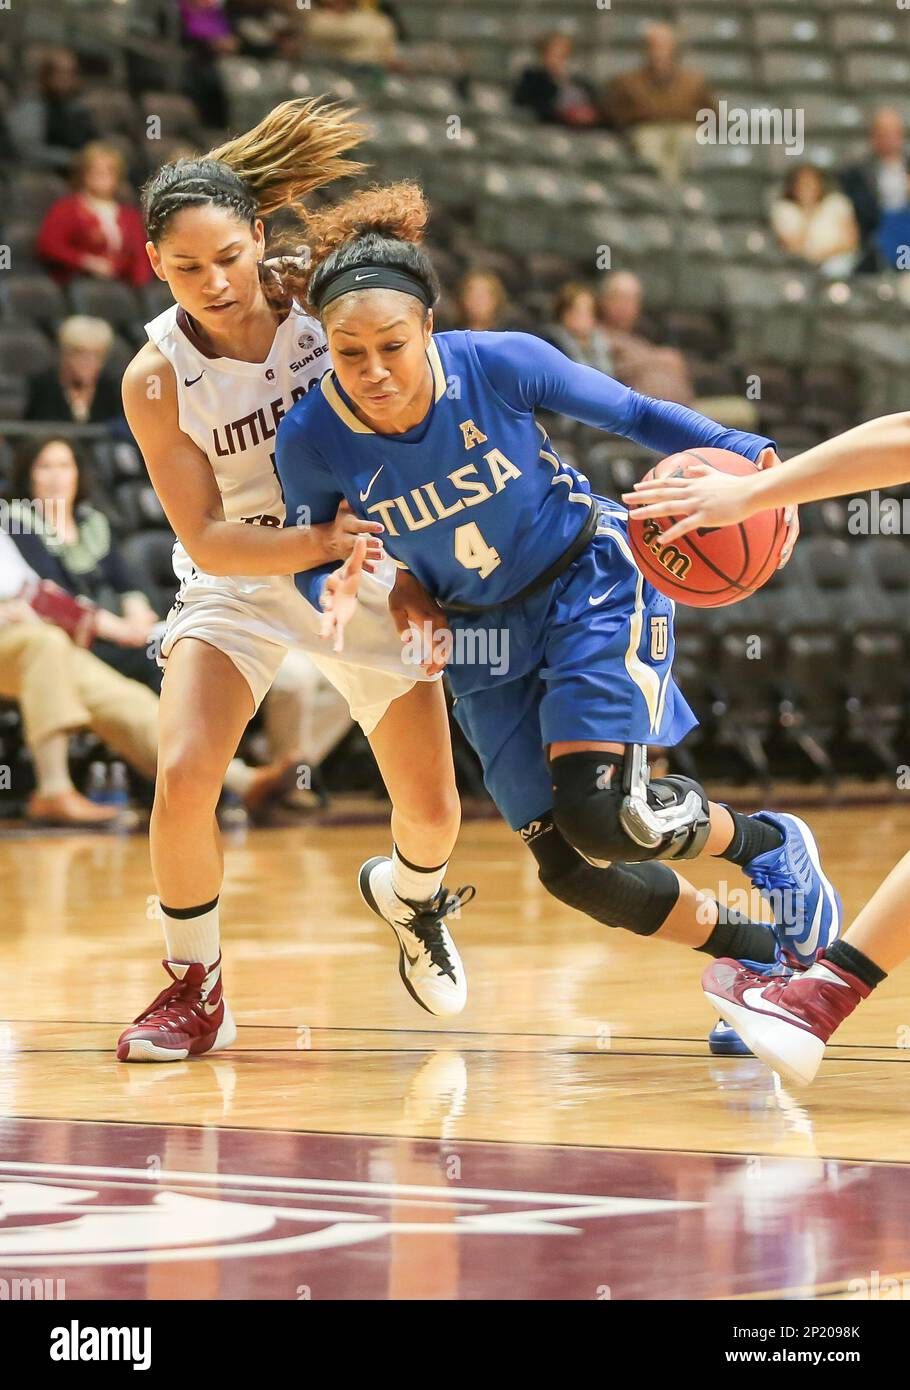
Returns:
(714, 565)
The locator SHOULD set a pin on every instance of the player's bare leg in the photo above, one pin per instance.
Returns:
(205, 706)
(412, 746)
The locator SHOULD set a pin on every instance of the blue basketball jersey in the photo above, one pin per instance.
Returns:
(475, 501)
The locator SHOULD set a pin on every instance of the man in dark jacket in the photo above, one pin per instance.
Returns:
(553, 92)
(878, 184)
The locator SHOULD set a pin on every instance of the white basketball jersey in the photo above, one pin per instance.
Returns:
(232, 409)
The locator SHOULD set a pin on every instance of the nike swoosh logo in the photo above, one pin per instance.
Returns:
(211, 1008)
(370, 275)
(754, 999)
(365, 495)
(595, 601)
(188, 382)
(412, 960)
(805, 948)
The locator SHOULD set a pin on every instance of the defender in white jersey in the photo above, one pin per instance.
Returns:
(204, 398)
(231, 409)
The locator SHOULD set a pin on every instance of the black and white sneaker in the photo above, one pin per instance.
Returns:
(429, 963)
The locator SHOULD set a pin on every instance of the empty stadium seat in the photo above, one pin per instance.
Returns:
(33, 299)
(24, 351)
(138, 504)
(149, 558)
(31, 193)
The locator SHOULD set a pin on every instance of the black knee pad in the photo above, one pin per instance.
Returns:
(638, 897)
(594, 814)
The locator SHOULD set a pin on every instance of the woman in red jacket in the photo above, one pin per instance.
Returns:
(91, 232)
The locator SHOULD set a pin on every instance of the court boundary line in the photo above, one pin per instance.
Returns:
(430, 1033)
(455, 1139)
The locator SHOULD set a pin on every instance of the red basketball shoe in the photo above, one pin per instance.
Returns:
(187, 1019)
(785, 1022)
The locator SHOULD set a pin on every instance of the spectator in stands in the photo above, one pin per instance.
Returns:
(48, 127)
(90, 231)
(661, 372)
(69, 541)
(878, 184)
(207, 33)
(78, 390)
(260, 25)
(351, 31)
(575, 330)
(481, 302)
(816, 222)
(60, 687)
(658, 103)
(553, 91)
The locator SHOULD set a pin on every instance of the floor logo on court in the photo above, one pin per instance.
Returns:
(82, 1215)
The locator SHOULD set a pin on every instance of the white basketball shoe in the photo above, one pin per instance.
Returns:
(429, 963)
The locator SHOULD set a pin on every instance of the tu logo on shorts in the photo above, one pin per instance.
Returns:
(660, 637)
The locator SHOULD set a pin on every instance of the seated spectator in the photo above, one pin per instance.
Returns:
(47, 128)
(91, 232)
(260, 26)
(815, 222)
(350, 31)
(658, 104)
(556, 94)
(207, 32)
(661, 372)
(78, 390)
(481, 303)
(70, 542)
(65, 539)
(61, 687)
(877, 184)
(575, 330)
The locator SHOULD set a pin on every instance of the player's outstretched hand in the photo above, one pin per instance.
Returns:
(706, 497)
(419, 618)
(339, 595)
(346, 529)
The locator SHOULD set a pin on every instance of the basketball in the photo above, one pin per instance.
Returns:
(712, 566)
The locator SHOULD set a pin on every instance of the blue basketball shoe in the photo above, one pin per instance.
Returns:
(807, 908)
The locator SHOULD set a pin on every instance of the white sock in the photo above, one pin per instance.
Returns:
(417, 885)
(193, 938)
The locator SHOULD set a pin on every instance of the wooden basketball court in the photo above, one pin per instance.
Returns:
(571, 1137)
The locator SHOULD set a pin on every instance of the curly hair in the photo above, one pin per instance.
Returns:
(380, 225)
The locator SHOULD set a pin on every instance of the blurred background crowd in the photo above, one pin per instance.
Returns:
(762, 281)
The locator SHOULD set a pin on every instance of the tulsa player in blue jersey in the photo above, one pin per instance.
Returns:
(435, 436)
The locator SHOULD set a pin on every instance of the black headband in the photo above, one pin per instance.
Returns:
(372, 277)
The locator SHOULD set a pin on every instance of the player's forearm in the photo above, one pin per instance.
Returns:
(670, 428)
(238, 548)
(876, 454)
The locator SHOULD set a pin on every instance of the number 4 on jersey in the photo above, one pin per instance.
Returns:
(472, 551)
